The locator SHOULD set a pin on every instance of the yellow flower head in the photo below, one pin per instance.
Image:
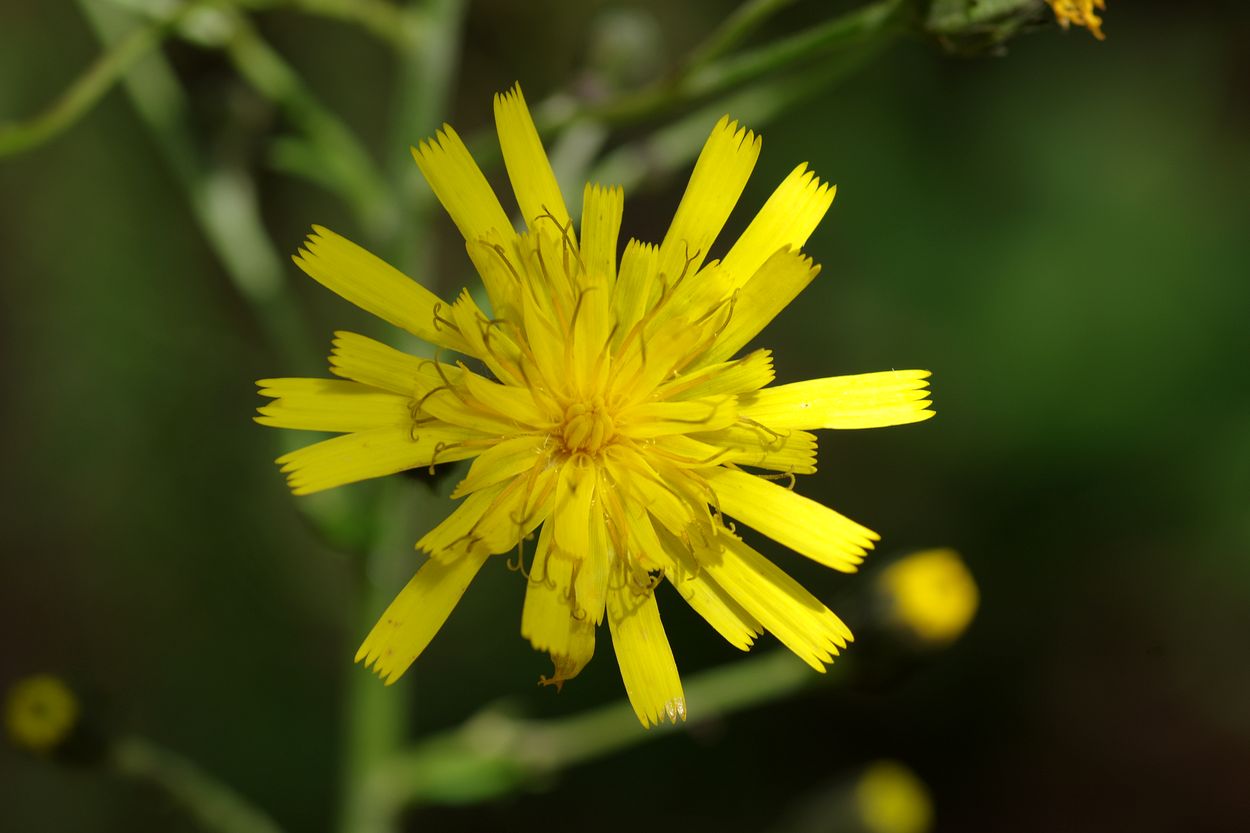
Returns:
(891, 799)
(40, 712)
(1079, 12)
(606, 410)
(932, 594)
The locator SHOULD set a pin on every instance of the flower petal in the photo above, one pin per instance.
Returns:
(787, 219)
(770, 290)
(374, 285)
(533, 181)
(330, 405)
(416, 614)
(800, 523)
(601, 227)
(458, 183)
(796, 617)
(634, 284)
(371, 362)
(867, 400)
(719, 176)
(644, 655)
(374, 453)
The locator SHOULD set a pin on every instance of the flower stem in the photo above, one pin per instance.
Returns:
(494, 754)
(222, 198)
(376, 715)
(708, 79)
(212, 803)
(90, 87)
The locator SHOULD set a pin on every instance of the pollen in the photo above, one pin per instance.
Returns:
(587, 427)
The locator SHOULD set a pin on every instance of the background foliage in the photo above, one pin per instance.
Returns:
(1059, 233)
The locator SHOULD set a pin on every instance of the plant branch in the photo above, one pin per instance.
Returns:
(90, 87)
(494, 754)
(210, 802)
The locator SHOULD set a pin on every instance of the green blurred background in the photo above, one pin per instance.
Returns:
(1061, 233)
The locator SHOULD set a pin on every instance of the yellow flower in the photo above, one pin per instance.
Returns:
(604, 409)
(931, 594)
(40, 712)
(1080, 12)
(891, 799)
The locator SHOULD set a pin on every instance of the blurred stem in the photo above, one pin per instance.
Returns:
(223, 199)
(428, 63)
(210, 802)
(699, 81)
(119, 57)
(741, 22)
(494, 754)
(956, 16)
(382, 19)
(327, 153)
(376, 717)
(665, 151)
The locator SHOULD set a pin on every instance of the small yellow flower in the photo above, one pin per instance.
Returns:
(1079, 12)
(891, 799)
(603, 408)
(931, 594)
(40, 712)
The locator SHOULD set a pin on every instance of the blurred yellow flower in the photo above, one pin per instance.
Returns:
(1079, 12)
(891, 799)
(605, 411)
(931, 593)
(40, 712)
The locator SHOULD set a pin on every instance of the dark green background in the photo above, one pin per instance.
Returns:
(1060, 234)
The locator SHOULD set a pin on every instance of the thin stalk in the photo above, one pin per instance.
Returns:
(716, 77)
(376, 716)
(379, 18)
(213, 804)
(327, 152)
(223, 199)
(494, 754)
(670, 149)
(741, 24)
(376, 721)
(90, 87)
(426, 75)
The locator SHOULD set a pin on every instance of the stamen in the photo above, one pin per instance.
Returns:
(499, 250)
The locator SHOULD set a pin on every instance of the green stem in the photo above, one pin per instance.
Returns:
(376, 722)
(953, 17)
(668, 150)
(425, 77)
(736, 28)
(376, 717)
(223, 199)
(710, 79)
(90, 87)
(327, 152)
(494, 754)
(382, 19)
(210, 802)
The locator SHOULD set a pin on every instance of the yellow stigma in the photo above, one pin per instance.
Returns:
(587, 427)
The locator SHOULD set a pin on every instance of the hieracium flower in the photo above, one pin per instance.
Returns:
(1080, 13)
(610, 418)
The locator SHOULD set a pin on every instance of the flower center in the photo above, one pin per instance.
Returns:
(587, 427)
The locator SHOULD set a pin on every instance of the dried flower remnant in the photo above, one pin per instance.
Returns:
(1079, 13)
